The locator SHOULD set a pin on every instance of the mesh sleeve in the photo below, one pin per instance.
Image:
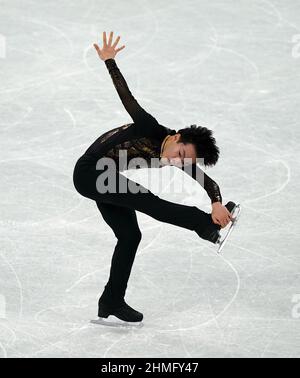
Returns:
(137, 113)
(209, 185)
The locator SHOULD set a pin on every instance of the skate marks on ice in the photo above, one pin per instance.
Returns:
(236, 216)
(113, 321)
(57, 335)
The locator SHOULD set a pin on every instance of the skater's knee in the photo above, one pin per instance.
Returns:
(135, 236)
(129, 235)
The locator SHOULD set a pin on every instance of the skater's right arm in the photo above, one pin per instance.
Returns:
(220, 215)
(209, 185)
(108, 52)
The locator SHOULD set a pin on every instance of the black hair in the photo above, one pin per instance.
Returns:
(204, 142)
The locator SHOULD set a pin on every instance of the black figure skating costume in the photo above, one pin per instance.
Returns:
(141, 138)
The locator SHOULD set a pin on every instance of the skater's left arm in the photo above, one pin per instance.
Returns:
(220, 215)
(107, 54)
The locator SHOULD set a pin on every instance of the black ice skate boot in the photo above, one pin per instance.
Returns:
(231, 206)
(123, 312)
(212, 233)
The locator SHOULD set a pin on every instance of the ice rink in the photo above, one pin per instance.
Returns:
(232, 66)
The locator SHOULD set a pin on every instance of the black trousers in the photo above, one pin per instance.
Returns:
(119, 212)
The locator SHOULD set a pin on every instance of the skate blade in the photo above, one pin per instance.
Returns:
(113, 321)
(236, 215)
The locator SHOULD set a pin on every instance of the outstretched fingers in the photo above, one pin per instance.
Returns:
(116, 42)
(104, 39)
(120, 48)
(110, 38)
(97, 48)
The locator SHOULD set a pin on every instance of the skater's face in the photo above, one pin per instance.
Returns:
(177, 153)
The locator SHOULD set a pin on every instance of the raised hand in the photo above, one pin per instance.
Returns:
(108, 50)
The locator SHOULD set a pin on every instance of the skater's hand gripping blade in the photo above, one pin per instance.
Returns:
(113, 321)
(236, 214)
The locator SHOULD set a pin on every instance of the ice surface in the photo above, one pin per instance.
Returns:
(231, 66)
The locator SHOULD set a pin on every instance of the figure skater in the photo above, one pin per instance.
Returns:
(148, 139)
